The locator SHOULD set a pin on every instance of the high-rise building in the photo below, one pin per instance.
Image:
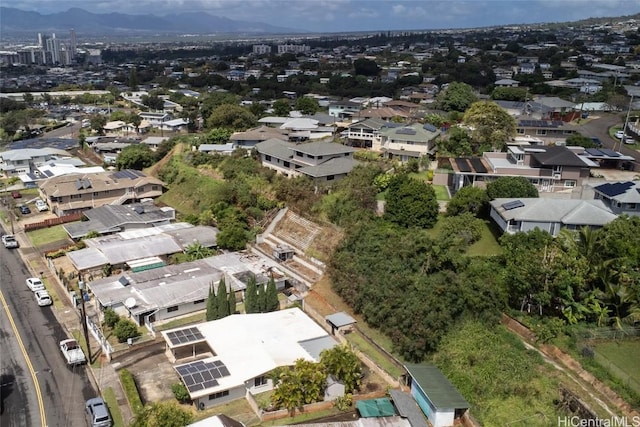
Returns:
(53, 48)
(73, 44)
(293, 48)
(261, 49)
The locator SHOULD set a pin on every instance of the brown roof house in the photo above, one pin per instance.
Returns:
(67, 194)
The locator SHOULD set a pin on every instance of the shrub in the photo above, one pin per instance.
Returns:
(131, 391)
(180, 392)
(111, 318)
(125, 329)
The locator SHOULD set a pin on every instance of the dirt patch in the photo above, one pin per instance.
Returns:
(212, 173)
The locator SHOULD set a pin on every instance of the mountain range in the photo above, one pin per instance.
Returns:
(16, 21)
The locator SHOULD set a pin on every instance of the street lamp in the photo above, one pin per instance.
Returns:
(81, 286)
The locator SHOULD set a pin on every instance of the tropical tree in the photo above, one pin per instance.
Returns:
(136, 156)
(366, 67)
(411, 203)
(251, 295)
(343, 364)
(490, 124)
(456, 97)
(218, 136)
(299, 385)
(212, 305)
(457, 142)
(196, 251)
(281, 107)
(307, 105)
(162, 414)
(468, 199)
(271, 297)
(222, 299)
(98, 122)
(511, 187)
(234, 117)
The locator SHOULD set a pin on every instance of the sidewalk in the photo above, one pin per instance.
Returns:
(101, 375)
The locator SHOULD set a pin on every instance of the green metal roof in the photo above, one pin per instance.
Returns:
(376, 408)
(436, 386)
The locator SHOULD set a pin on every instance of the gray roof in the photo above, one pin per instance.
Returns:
(220, 148)
(110, 218)
(315, 346)
(340, 319)
(419, 134)
(629, 193)
(29, 153)
(554, 102)
(321, 148)
(206, 236)
(408, 408)
(441, 393)
(558, 156)
(371, 123)
(154, 140)
(276, 147)
(564, 211)
(336, 166)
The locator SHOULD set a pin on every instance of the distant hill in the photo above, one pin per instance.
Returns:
(16, 21)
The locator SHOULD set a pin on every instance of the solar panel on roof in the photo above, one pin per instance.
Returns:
(609, 152)
(78, 184)
(202, 375)
(463, 166)
(429, 127)
(478, 165)
(593, 152)
(185, 336)
(512, 205)
(406, 131)
(614, 189)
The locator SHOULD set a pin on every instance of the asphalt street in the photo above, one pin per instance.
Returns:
(63, 390)
(600, 128)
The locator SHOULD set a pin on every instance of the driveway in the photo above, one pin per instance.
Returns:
(599, 125)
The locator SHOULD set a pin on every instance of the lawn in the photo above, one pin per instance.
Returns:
(488, 244)
(110, 399)
(622, 360)
(45, 236)
(183, 321)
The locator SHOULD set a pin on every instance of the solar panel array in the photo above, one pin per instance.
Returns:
(185, 336)
(614, 189)
(83, 183)
(127, 173)
(202, 375)
(512, 205)
(406, 131)
(478, 165)
(602, 152)
(540, 123)
(430, 128)
(463, 165)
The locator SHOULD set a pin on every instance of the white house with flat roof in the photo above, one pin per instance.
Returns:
(240, 351)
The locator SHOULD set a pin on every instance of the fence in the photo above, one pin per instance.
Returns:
(53, 221)
(617, 371)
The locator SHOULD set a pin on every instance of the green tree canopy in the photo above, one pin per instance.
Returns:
(468, 199)
(271, 297)
(222, 299)
(579, 140)
(162, 414)
(136, 156)
(251, 296)
(98, 122)
(511, 187)
(298, 385)
(366, 67)
(343, 364)
(281, 107)
(457, 142)
(218, 136)
(509, 94)
(456, 97)
(233, 117)
(490, 124)
(307, 105)
(411, 203)
(212, 305)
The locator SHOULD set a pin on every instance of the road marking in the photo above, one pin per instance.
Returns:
(43, 416)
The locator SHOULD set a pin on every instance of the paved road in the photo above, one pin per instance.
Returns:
(63, 389)
(600, 128)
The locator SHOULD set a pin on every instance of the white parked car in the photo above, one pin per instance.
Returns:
(619, 134)
(9, 241)
(35, 284)
(41, 206)
(43, 298)
(628, 140)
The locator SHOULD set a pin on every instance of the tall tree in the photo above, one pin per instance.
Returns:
(271, 298)
(261, 299)
(411, 203)
(490, 124)
(456, 97)
(162, 414)
(212, 305)
(232, 301)
(223, 299)
(251, 296)
(281, 107)
(341, 362)
(307, 105)
(137, 156)
(298, 385)
(511, 187)
(468, 199)
(234, 117)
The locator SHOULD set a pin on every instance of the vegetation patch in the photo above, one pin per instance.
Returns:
(110, 399)
(131, 391)
(44, 237)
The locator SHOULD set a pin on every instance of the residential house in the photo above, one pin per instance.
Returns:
(324, 162)
(553, 108)
(109, 219)
(251, 137)
(550, 215)
(383, 113)
(365, 133)
(548, 168)
(439, 400)
(344, 109)
(163, 292)
(241, 351)
(155, 119)
(25, 160)
(549, 131)
(225, 149)
(126, 249)
(68, 194)
(622, 198)
(506, 83)
(409, 142)
(153, 142)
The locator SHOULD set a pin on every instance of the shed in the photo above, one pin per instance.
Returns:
(436, 396)
(339, 320)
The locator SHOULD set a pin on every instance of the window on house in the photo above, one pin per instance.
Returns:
(287, 164)
(200, 301)
(569, 183)
(172, 309)
(299, 154)
(331, 177)
(76, 196)
(219, 395)
(541, 132)
(557, 169)
(320, 157)
(258, 381)
(155, 188)
(632, 206)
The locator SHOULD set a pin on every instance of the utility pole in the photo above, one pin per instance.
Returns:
(626, 121)
(81, 285)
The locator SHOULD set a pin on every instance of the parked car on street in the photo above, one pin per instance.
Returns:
(98, 413)
(619, 134)
(43, 298)
(35, 284)
(72, 352)
(9, 241)
(16, 194)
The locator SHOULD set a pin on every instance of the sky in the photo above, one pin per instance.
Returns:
(359, 15)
